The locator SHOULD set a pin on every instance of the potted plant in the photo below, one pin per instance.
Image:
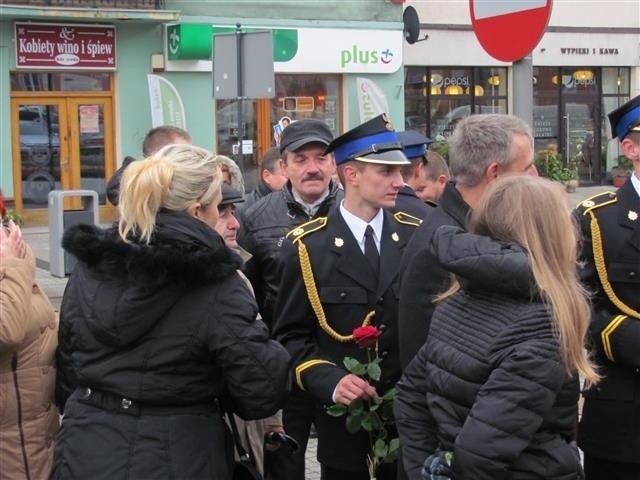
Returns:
(621, 172)
(549, 164)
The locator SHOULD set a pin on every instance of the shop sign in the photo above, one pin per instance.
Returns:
(295, 50)
(65, 46)
(346, 51)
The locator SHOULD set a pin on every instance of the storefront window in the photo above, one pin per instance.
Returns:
(60, 81)
(436, 99)
(306, 96)
(615, 92)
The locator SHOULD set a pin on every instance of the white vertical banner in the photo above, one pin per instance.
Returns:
(371, 99)
(166, 104)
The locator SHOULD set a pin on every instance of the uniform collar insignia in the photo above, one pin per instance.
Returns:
(338, 242)
(631, 215)
(395, 237)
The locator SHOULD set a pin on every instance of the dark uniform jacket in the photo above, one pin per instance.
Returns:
(408, 202)
(610, 423)
(265, 225)
(497, 392)
(421, 277)
(168, 328)
(251, 198)
(348, 291)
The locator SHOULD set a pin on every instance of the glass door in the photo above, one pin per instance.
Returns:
(91, 144)
(60, 144)
(580, 108)
(40, 152)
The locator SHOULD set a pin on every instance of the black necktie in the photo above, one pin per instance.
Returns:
(370, 250)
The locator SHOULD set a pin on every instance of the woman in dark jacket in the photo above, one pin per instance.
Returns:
(157, 331)
(501, 363)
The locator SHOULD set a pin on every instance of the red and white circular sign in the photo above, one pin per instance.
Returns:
(509, 30)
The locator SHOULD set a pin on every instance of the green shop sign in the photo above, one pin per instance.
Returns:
(194, 41)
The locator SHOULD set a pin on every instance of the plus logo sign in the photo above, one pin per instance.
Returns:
(174, 40)
(386, 56)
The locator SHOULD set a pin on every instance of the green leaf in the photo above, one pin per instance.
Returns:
(337, 410)
(366, 421)
(356, 407)
(394, 445)
(353, 423)
(374, 371)
(389, 394)
(380, 448)
(354, 366)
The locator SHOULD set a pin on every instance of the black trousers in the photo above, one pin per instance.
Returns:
(297, 417)
(387, 471)
(601, 469)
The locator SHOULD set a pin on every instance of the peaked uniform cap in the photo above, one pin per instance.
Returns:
(414, 143)
(625, 119)
(374, 141)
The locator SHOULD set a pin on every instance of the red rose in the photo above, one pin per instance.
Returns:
(366, 336)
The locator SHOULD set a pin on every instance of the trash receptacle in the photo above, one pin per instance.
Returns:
(60, 262)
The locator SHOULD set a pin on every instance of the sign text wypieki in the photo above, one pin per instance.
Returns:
(65, 46)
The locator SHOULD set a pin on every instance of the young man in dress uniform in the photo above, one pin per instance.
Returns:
(340, 273)
(609, 431)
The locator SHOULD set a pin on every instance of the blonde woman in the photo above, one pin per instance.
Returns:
(157, 329)
(505, 348)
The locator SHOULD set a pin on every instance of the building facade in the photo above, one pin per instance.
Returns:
(581, 71)
(85, 80)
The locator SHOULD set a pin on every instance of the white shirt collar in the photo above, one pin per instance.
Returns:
(635, 181)
(358, 226)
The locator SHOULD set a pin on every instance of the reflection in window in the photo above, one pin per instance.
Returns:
(436, 99)
(306, 96)
(62, 81)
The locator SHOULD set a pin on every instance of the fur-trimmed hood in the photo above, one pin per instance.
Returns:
(125, 288)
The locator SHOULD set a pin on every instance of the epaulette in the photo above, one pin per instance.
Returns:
(407, 219)
(306, 228)
(596, 201)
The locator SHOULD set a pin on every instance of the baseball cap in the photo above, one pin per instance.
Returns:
(374, 141)
(302, 132)
(229, 195)
(625, 119)
(414, 143)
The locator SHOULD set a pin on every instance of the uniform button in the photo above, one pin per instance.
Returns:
(384, 354)
(343, 294)
(632, 274)
(380, 300)
(382, 327)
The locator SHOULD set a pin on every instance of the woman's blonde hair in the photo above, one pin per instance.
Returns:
(174, 178)
(533, 212)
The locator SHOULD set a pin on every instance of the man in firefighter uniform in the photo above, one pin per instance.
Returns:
(340, 273)
(609, 431)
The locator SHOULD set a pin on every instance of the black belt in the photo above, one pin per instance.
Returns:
(116, 403)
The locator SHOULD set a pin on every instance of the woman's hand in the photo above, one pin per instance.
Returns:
(11, 242)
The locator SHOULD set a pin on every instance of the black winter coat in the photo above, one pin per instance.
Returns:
(264, 227)
(498, 394)
(421, 278)
(170, 326)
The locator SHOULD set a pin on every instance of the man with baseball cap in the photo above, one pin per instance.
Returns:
(309, 193)
(609, 432)
(340, 273)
